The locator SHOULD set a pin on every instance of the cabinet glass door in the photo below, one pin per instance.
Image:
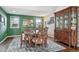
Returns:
(66, 21)
(57, 23)
(61, 22)
(73, 21)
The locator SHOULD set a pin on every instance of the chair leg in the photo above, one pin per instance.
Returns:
(21, 42)
(45, 44)
(21, 45)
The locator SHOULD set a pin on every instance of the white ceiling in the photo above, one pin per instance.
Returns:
(32, 10)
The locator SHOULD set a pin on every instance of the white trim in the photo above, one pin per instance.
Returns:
(14, 35)
(51, 35)
(4, 39)
(7, 37)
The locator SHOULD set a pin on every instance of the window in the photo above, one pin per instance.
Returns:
(14, 22)
(2, 24)
(38, 22)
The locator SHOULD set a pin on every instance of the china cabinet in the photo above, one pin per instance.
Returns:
(66, 26)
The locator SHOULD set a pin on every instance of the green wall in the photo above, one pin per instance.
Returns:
(17, 31)
(3, 32)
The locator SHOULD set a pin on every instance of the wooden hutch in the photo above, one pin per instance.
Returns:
(66, 26)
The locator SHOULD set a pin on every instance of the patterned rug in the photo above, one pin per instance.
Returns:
(51, 47)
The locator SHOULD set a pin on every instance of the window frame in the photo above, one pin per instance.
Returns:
(13, 20)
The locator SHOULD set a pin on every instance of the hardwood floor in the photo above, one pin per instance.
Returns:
(7, 41)
(5, 44)
(68, 49)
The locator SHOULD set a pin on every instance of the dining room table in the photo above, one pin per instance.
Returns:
(32, 38)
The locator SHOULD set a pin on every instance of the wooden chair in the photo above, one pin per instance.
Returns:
(38, 39)
(22, 39)
(44, 36)
(41, 38)
(29, 36)
(26, 37)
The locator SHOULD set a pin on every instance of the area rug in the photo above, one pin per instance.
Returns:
(51, 47)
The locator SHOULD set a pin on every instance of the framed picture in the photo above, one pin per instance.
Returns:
(14, 21)
(28, 23)
(51, 20)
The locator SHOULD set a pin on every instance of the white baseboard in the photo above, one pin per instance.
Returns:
(50, 36)
(3, 39)
(9, 36)
(14, 35)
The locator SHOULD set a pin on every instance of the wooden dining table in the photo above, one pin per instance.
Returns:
(31, 38)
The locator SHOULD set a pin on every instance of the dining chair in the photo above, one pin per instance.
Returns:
(30, 37)
(22, 39)
(44, 36)
(38, 39)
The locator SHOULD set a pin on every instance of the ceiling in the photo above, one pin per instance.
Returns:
(32, 10)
